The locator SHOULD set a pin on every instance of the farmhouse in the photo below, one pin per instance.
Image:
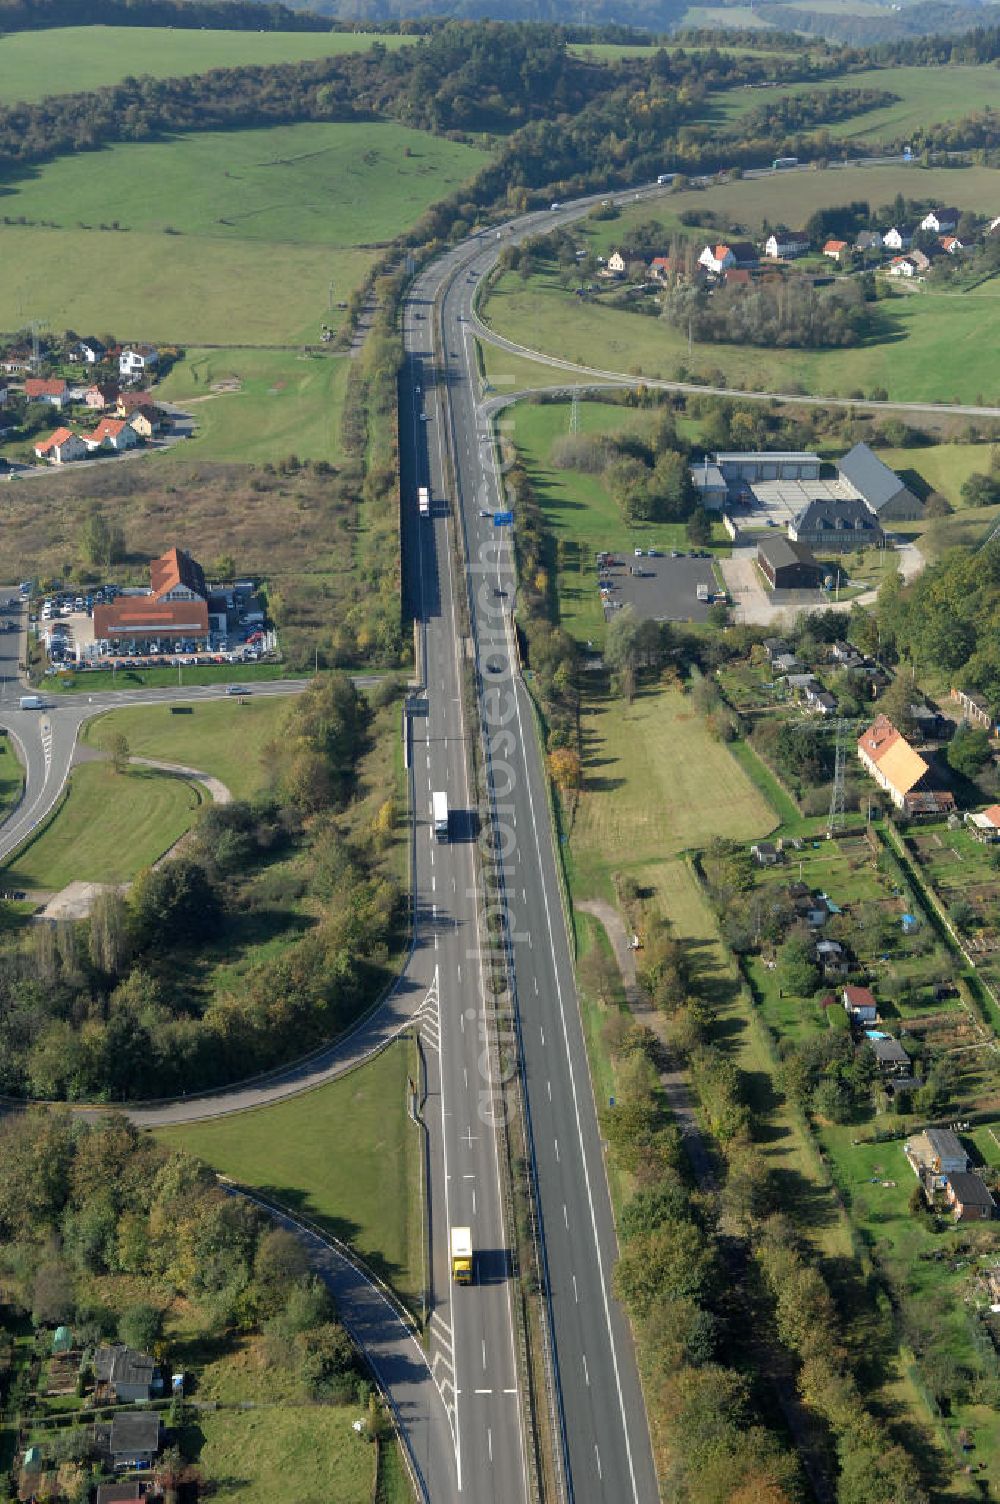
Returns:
(880, 488)
(787, 244)
(787, 565)
(836, 524)
(54, 391)
(888, 757)
(968, 1197)
(61, 447)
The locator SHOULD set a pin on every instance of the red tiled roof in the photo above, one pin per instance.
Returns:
(176, 567)
(130, 400)
(143, 614)
(108, 428)
(860, 997)
(37, 386)
(993, 814)
(835, 245)
(54, 440)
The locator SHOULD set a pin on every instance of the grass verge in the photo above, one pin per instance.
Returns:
(345, 1155)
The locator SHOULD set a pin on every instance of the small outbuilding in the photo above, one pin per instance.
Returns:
(787, 565)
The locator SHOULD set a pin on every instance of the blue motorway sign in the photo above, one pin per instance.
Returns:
(503, 519)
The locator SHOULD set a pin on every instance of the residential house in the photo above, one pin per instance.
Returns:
(616, 264)
(101, 395)
(663, 268)
(765, 854)
(135, 1439)
(785, 663)
(950, 244)
(146, 420)
(846, 655)
(787, 565)
(888, 757)
(974, 709)
(968, 1196)
(921, 261)
(52, 390)
(786, 244)
(122, 1374)
(837, 250)
(985, 825)
(112, 433)
(940, 221)
(897, 238)
(88, 352)
(822, 703)
(836, 524)
(902, 266)
(935, 1153)
(61, 447)
(810, 907)
(775, 647)
(831, 960)
(880, 488)
(136, 361)
(802, 684)
(859, 1004)
(890, 1057)
(719, 258)
(868, 240)
(16, 360)
(129, 402)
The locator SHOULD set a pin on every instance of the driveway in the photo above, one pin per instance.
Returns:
(752, 603)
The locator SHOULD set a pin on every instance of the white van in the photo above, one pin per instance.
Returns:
(32, 702)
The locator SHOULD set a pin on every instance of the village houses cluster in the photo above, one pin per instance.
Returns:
(108, 413)
(901, 250)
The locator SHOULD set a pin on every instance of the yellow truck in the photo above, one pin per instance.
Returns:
(461, 1255)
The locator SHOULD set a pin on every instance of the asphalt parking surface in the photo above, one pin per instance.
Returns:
(666, 590)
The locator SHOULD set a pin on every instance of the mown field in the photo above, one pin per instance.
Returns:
(655, 783)
(220, 737)
(345, 1155)
(110, 826)
(241, 237)
(927, 96)
(278, 403)
(69, 59)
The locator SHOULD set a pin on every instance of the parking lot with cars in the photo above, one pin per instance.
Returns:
(659, 584)
(64, 624)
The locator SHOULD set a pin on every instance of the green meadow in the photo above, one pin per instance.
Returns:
(71, 59)
(222, 237)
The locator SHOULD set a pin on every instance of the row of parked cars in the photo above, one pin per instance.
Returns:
(65, 604)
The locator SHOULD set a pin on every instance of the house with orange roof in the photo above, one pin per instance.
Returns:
(719, 258)
(52, 390)
(837, 250)
(984, 824)
(176, 576)
(61, 447)
(112, 433)
(900, 770)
